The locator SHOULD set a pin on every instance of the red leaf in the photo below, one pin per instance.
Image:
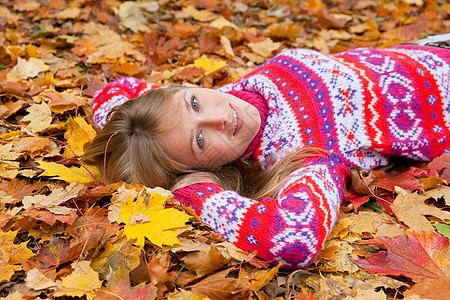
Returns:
(416, 172)
(420, 254)
(404, 180)
(357, 199)
(441, 162)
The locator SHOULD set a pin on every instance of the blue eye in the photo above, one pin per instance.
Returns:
(200, 140)
(194, 103)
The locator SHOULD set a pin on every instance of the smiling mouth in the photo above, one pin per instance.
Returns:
(235, 120)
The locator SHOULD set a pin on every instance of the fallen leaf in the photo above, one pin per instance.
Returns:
(418, 255)
(39, 116)
(118, 253)
(203, 263)
(56, 197)
(264, 48)
(36, 280)
(32, 146)
(209, 65)
(412, 210)
(82, 282)
(73, 174)
(200, 15)
(79, 135)
(218, 286)
(11, 254)
(161, 221)
(119, 287)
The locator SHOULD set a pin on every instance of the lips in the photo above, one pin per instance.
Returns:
(238, 119)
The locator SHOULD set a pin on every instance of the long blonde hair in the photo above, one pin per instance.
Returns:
(128, 149)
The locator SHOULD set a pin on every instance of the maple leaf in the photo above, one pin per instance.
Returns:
(187, 295)
(36, 280)
(120, 253)
(82, 282)
(73, 174)
(205, 262)
(32, 146)
(119, 287)
(79, 134)
(151, 220)
(40, 117)
(209, 65)
(258, 278)
(264, 48)
(410, 208)
(418, 255)
(11, 254)
(218, 286)
(200, 15)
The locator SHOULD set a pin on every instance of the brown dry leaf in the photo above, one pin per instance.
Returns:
(27, 69)
(110, 46)
(11, 107)
(257, 278)
(57, 196)
(16, 189)
(441, 191)
(69, 13)
(428, 288)
(218, 286)
(286, 29)
(36, 280)
(200, 15)
(32, 146)
(411, 210)
(264, 48)
(133, 17)
(119, 287)
(203, 263)
(39, 116)
(117, 253)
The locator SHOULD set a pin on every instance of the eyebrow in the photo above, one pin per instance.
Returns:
(191, 136)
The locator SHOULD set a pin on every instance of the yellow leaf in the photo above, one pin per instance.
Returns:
(258, 278)
(74, 174)
(11, 254)
(83, 281)
(10, 134)
(200, 15)
(209, 65)
(79, 134)
(187, 295)
(40, 117)
(160, 220)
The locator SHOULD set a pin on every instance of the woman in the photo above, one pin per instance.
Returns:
(267, 158)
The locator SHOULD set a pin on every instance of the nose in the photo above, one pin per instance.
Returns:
(217, 120)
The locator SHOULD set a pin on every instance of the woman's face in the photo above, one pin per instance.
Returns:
(212, 129)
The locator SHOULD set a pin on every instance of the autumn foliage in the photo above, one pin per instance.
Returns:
(64, 233)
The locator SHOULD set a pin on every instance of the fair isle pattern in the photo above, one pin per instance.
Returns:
(361, 106)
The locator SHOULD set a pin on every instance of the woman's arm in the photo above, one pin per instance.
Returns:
(291, 228)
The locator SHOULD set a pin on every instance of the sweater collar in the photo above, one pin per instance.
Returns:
(260, 103)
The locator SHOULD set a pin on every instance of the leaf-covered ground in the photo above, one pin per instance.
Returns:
(65, 234)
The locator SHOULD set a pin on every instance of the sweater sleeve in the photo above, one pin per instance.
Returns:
(291, 228)
(116, 93)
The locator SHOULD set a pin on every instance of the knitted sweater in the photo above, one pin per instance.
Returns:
(362, 106)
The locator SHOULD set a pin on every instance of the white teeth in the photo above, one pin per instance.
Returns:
(234, 121)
